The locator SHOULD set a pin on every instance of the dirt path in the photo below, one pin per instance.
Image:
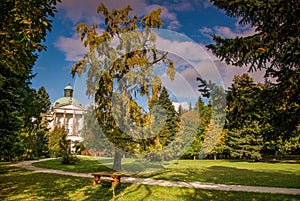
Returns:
(200, 185)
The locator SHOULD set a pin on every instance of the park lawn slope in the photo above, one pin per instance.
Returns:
(219, 171)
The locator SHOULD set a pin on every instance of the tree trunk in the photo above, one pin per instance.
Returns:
(117, 161)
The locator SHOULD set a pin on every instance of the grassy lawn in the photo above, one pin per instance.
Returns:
(19, 184)
(220, 171)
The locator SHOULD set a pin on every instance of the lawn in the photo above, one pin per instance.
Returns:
(20, 184)
(220, 171)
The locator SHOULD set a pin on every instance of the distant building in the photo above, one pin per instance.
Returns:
(67, 111)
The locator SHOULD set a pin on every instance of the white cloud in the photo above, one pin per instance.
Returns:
(72, 47)
(184, 105)
(174, 25)
(227, 72)
(186, 5)
(86, 10)
(181, 46)
(227, 32)
(78, 10)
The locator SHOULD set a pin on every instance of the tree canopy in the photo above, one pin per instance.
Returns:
(119, 65)
(274, 46)
(273, 110)
(23, 27)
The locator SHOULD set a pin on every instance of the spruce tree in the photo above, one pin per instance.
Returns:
(274, 48)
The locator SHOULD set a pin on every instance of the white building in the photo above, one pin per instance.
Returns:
(67, 111)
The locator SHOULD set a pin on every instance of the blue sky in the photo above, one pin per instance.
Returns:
(193, 19)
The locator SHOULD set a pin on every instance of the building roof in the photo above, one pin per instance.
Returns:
(69, 87)
(65, 100)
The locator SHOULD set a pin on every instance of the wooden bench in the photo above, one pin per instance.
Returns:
(114, 178)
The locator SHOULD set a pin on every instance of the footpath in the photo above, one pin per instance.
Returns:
(199, 185)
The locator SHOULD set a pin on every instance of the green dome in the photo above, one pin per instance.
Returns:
(69, 87)
(64, 100)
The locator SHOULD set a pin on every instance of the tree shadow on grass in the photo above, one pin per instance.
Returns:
(213, 195)
(20, 184)
(229, 175)
(232, 175)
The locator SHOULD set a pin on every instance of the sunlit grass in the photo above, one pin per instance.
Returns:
(20, 184)
(220, 171)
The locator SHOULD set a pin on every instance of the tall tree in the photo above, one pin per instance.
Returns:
(43, 99)
(274, 48)
(171, 123)
(204, 112)
(121, 71)
(34, 130)
(245, 118)
(171, 126)
(23, 27)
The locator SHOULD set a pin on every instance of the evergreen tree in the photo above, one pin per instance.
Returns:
(172, 118)
(244, 118)
(43, 100)
(180, 110)
(171, 122)
(275, 48)
(204, 112)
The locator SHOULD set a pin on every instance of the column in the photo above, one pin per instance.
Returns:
(73, 126)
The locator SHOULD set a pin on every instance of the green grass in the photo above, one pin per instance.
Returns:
(20, 184)
(220, 171)
(84, 165)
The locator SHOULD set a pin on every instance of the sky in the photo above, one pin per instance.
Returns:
(187, 25)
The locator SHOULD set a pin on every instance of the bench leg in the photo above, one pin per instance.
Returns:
(117, 180)
(96, 180)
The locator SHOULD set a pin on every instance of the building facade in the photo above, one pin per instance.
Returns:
(68, 112)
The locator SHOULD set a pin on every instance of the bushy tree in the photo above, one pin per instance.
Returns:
(58, 144)
(23, 27)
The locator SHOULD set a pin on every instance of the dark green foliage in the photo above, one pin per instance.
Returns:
(79, 147)
(69, 159)
(43, 99)
(274, 47)
(274, 110)
(171, 126)
(23, 27)
(34, 131)
(244, 118)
